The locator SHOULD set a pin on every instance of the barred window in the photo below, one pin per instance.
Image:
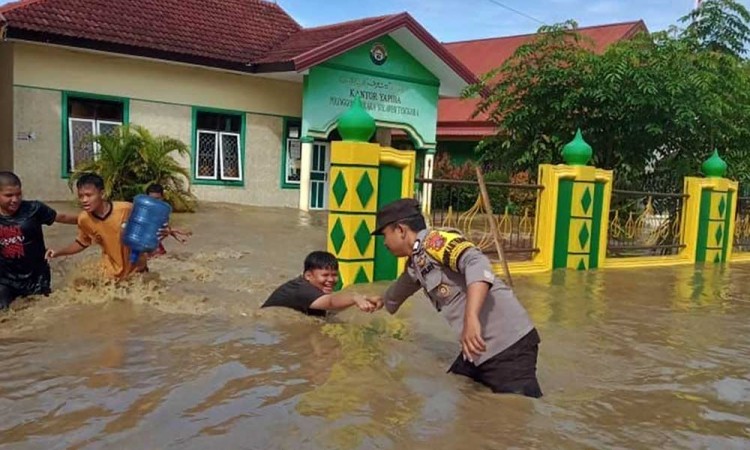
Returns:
(87, 117)
(218, 146)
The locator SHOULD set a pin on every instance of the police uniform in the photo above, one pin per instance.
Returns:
(444, 264)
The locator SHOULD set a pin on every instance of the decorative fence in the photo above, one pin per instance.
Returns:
(575, 219)
(645, 224)
(457, 204)
(741, 241)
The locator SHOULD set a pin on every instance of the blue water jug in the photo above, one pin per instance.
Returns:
(142, 230)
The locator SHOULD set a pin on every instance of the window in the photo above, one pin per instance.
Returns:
(86, 116)
(218, 146)
(292, 154)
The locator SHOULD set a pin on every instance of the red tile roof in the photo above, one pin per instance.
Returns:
(311, 38)
(245, 35)
(485, 54)
(233, 31)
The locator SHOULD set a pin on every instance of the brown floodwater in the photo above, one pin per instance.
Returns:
(184, 359)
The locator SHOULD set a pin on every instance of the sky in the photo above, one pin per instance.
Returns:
(456, 20)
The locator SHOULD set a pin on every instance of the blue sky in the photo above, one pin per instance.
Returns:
(453, 20)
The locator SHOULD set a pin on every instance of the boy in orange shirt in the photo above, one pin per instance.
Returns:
(102, 222)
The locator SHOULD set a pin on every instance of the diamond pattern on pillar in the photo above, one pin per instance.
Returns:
(338, 236)
(365, 189)
(583, 235)
(722, 206)
(339, 189)
(362, 237)
(361, 276)
(719, 234)
(586, 200)
(581, 265)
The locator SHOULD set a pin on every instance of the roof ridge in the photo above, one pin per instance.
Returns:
(17, 4)
(338, 24)
(606, 25)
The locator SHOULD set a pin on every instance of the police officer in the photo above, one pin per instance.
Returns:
(498, 341)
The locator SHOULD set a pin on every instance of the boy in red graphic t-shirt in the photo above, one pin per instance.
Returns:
(23, 269)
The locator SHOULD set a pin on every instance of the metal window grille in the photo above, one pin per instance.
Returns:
(229, 149)
(205, 161)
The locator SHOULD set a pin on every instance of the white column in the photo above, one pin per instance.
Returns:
(304, 177)
(429, 158)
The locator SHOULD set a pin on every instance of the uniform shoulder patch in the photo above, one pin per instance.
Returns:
(435, 240)
(446, 247)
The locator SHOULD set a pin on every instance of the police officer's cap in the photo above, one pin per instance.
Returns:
(406, 208)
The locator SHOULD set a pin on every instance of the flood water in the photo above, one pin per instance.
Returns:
(184, 359)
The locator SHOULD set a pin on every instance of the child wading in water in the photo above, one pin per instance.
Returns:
(102, 222)
(157, 191)
(312, 292)
(23, 269)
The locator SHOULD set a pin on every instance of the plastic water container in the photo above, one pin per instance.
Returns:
(142, 230)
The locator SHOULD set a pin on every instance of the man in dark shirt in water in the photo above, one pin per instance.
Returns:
(312, 292)
(23, 269)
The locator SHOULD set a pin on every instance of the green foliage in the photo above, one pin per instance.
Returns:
(131, 158)
(719, 25)
(652, 107)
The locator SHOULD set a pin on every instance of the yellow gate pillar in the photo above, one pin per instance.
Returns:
(573, 210)
(710, 212)
(353, 196)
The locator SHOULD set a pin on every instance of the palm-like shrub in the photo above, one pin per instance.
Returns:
(131, 158)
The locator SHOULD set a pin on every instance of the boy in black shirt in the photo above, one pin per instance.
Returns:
(23, 269)
(312, 292)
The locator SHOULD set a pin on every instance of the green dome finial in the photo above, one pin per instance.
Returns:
(356, 124)
(714, 167)
(577, 152)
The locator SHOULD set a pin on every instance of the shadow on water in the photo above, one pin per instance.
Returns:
(184, 358)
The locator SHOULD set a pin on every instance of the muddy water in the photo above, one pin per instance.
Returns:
(183, 359)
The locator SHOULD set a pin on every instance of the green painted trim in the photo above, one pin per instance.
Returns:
(194, 149)
(159, 102)
(284, 133)
(307, 140)
(705, 212)
(596, 225)
(361, 166)
(374, 73)
(64, 150)
(727, 223)
(562, 224)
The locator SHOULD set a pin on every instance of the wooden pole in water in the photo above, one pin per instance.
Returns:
(493, 226)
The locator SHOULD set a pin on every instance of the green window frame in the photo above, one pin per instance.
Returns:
(286, 141)
(66, 168)
(220, 177)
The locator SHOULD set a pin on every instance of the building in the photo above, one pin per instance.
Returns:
(254, 94)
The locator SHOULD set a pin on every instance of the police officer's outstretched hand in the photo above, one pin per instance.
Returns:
(363, 304)
(376, 302)
(472, 344)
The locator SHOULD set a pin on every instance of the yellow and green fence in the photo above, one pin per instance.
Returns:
(571, 219)
(578, 221)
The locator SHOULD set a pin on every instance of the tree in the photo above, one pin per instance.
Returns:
(131, 158)
(652, 107)
(719, 25)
